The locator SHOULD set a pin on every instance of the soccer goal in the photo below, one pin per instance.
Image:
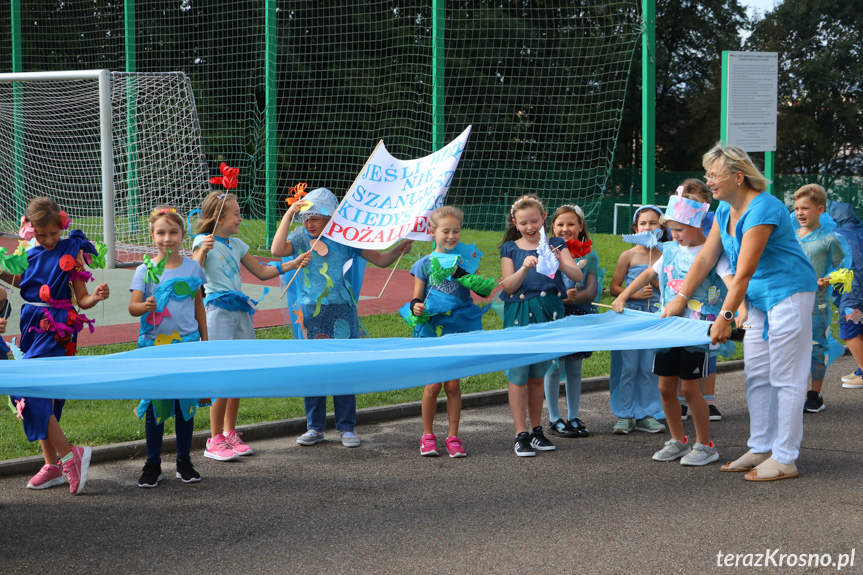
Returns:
(107, 146)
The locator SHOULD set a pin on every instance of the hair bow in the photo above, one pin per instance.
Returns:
(26, 231)
(228, 177)
(154, 271)
(299, 192)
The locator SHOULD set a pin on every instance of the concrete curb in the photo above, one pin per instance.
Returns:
(297, 425)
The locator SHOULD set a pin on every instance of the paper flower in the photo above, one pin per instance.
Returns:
(579, 249)
(299, 192)
(17, 406)
(65, 219)
(77, 321)
(155, 271)
(842, 278)
(483, 286)
(15, 263)
(26, 231)
(49, 324)
(45, 296)
(98, 261)
(228, 177)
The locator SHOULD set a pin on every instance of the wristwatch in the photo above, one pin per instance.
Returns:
(727, 315)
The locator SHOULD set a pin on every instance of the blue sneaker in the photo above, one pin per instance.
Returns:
(349, 439)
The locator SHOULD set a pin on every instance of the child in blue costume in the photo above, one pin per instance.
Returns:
(449, 309)
(327, 305)
(229, 310)
(685, 366)
(50, 286)
(531, 297)
(166, 296)
(827, 252)
(569, 224)
(633, 387)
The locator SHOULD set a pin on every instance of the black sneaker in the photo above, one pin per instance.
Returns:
(523, 447)
(814, 402)
(684, 412)
(151, 476)
(185, 471)
(714, 413)
(561, 428)
(539, 441)
(579, 427)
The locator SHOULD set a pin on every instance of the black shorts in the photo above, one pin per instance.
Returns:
(681, 363)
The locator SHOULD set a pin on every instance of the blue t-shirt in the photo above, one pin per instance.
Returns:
(534, 282)
(421, 270)
(223, 264)
(182, 313)
(783, 269)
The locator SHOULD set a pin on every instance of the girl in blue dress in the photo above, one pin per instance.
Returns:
(51, 286)
(166, 295)
(633, 387)
(530, 297)
(569, 224)
(454, 312)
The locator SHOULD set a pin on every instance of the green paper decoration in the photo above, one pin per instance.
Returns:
(482, 285)
(98, 261)
(155, 271)
(182, 289)
(439, 274)
(15, 263)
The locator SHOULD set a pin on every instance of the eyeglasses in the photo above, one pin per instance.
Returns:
(715, 178)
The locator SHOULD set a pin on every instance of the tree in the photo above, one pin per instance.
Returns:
(820, 126)
(690, 38)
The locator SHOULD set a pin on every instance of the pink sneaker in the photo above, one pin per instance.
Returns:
(76, 469)
(219, 449)
(240, 448)
(428, 444)
(48, 476)
(453, 445)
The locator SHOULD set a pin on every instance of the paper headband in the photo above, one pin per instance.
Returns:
(686, 211)
(520, 200)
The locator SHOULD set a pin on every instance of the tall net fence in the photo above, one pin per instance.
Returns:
(541, 83)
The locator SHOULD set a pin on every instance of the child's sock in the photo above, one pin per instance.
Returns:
(709, 399)
(68, 457)
(682, 400)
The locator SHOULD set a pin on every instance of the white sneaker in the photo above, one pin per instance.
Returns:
(700, 455)
(673, 450)
(310, 437)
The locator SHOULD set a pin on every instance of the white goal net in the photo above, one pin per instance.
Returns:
(107, 146)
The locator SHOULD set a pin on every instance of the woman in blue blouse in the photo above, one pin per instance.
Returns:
(779, 285)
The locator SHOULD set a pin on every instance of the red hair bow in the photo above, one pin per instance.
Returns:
(228, 177)
(579, 249)
(299, 192)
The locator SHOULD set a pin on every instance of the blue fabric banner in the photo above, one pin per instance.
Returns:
(301, 368)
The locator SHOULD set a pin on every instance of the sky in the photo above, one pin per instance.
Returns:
(760, 5)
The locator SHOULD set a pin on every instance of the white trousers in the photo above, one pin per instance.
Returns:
(777, 375)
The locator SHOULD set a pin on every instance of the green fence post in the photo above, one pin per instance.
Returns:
(648, 103)
(438, 101)
(132, 188)
(270, 109)
(17, 113)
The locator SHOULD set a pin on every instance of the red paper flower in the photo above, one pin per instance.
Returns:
(45, 293)
(299, 192)
(67, 263)
(228, 177)
(579, 249)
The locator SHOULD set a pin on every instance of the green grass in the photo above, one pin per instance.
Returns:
(111, 421)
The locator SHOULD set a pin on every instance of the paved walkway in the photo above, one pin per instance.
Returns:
(597, 505)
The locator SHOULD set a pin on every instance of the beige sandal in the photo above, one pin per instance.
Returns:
(746, 462)
(772, 470)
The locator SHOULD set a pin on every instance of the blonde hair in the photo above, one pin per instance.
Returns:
(584, 234)
(522, 203)
(734, 160)
(169, 213)
(43, 211)
(814, 192)
(445, 212)
(695, 189)
(210, 211)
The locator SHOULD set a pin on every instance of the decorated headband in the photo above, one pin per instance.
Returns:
(577, 209)
(163, 211)
(28, 232)
(656, 209)
(686, 211)
(520, 200)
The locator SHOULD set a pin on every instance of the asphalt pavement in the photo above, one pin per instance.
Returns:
(595, 505)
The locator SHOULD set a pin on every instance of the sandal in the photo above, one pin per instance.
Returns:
(746, 462)
(561, 429)
(577, 426)
(772, 470)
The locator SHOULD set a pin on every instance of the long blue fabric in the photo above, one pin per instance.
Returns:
(301, 368)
